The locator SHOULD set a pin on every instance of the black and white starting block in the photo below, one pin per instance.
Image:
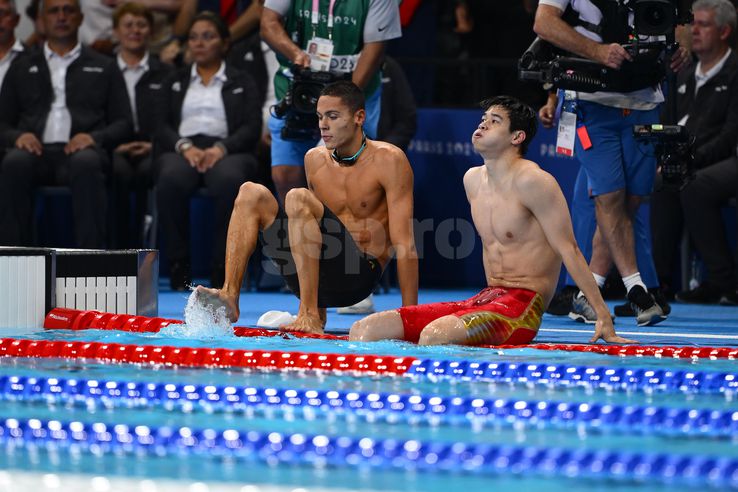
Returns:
(33, 281)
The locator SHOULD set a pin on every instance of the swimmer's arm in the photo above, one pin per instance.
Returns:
(397, 179)
(541, 194)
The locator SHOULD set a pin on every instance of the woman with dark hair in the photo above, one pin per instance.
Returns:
(210, 124)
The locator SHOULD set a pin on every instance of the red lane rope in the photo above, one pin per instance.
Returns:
(63, 318)
(205, 357)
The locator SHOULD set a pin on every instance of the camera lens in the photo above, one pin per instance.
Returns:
(654, 17)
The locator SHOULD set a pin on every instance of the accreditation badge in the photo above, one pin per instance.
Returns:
(320, 51)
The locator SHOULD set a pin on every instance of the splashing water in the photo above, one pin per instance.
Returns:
(201, 321)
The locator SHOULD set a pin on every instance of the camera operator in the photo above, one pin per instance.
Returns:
(348, 37)
(707, 104)
(618, 173)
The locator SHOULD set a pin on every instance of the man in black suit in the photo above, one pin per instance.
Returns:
(144, 75)
(64, 108)
(707, 104)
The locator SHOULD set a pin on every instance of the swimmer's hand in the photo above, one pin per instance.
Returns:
(605, 330)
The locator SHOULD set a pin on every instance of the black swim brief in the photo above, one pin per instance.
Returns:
(347, 274)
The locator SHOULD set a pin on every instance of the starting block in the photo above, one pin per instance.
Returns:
(33, 281)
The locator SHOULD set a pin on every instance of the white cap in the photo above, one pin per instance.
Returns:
(275, 319)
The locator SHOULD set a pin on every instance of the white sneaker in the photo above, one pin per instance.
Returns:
(362, 307)
(275, 319)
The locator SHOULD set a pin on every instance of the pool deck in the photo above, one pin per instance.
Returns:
(688, 324)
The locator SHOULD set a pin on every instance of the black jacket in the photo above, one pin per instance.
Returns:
(398, 117)
(149, 89)
(242, 107)
(95, 93)
(713, 112)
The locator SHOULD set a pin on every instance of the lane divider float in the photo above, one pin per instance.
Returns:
(430, 410)
(515, 373)
(366, 452)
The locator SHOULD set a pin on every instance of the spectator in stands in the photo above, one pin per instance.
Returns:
(96, 30)
(242, 18)
(211, 122)
(707, 104)
(64, 108)
(10, 47)
(144, 75)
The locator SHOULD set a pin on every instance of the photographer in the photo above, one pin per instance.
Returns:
(620, 176)
(351, 39)
(707, 105)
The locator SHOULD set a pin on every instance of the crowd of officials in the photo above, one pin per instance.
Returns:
(135, 106)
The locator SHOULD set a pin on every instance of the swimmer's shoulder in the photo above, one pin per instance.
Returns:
(530, 178)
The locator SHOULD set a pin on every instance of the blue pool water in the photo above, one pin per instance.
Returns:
(364, 470)
(579, 446)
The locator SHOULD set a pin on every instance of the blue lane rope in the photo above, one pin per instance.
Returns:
(340, 451)
(426, 409)
(612, 378)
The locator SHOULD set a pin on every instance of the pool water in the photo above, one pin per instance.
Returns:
(371, 430)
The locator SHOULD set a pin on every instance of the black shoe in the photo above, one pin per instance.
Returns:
(646, 310)
(702, 294)
(180, 278)
(626, 310)
(562, 301)
(217, 277)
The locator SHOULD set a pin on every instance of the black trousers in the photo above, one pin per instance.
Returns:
(698, 208)
(130, 175)
(83, 172)
(177, 181)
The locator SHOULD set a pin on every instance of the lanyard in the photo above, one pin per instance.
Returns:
(315, 17)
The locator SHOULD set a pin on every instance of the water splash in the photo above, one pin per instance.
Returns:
(201, 321)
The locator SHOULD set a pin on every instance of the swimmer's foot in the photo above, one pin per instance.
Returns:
(217, 298)
(305, 323)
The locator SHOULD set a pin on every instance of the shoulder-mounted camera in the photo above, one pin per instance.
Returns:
(298, 106)
(655, 20)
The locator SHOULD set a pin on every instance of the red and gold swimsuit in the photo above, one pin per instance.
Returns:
(495, 316)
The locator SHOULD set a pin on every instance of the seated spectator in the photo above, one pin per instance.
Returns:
(64, 108)
(144, 75)
(10, 47)
(242, 18)
(211, 123)
(707, 104)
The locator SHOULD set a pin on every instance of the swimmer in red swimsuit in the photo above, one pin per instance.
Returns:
(523, 221)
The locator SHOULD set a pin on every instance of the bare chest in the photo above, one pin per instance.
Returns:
(351, 190)
(501, 219)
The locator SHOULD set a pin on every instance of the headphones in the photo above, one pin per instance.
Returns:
(348, 161)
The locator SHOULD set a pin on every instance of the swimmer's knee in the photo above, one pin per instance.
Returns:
(444, 330)
(378, 326)
(299, 202)
(251, 194)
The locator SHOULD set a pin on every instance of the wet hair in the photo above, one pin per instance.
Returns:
(348, 92)
(135, 9)
(521, 116)
(215, 20)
